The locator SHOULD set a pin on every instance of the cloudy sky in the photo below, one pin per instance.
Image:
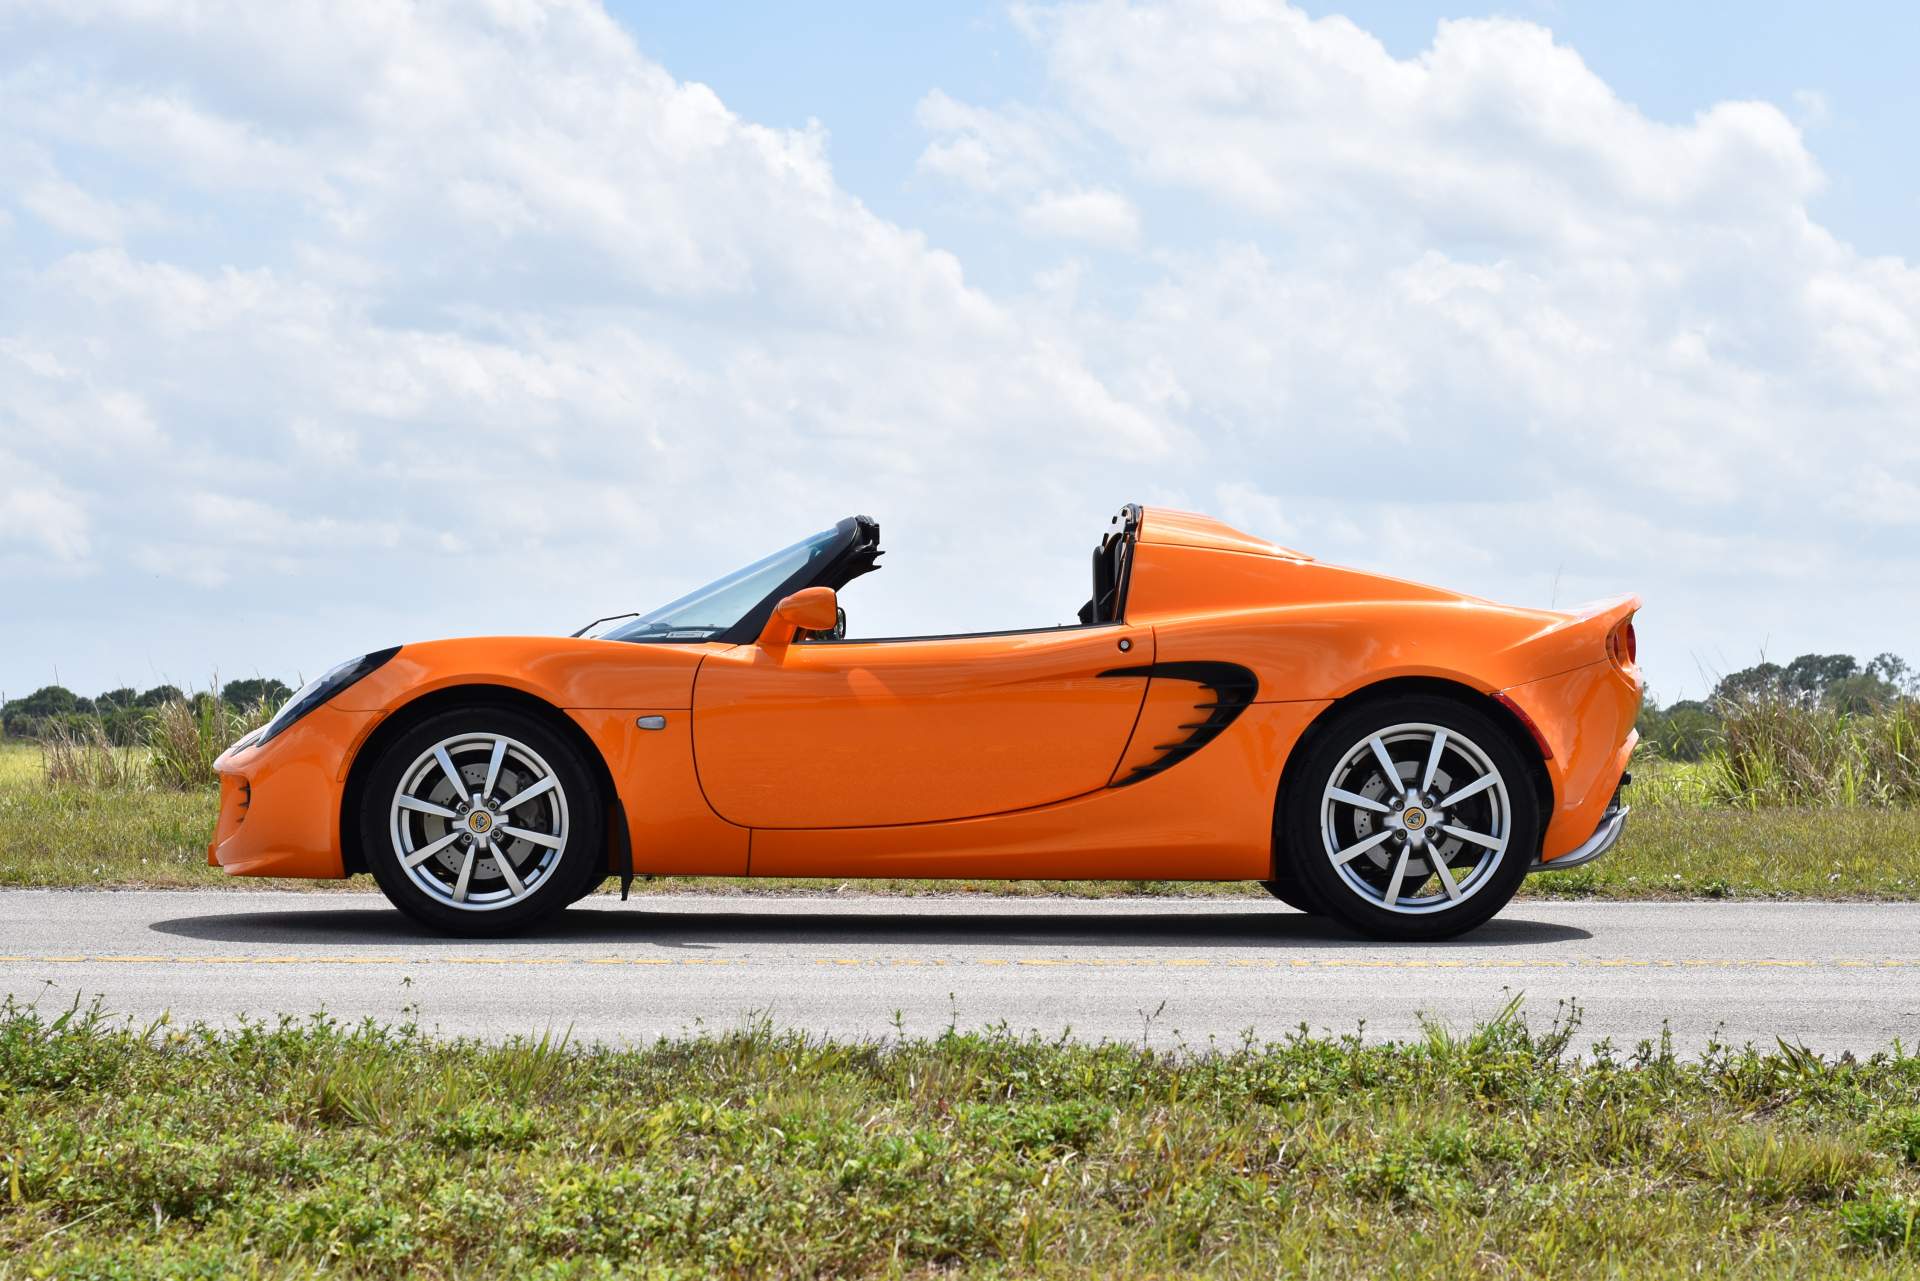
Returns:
(326, 326)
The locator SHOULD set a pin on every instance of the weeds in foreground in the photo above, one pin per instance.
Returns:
(299, 1146)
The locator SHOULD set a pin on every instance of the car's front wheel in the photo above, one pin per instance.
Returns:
(481, 821)
(1411, 819)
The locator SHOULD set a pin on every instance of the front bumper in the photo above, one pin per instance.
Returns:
(1604, 838)
(280, 802)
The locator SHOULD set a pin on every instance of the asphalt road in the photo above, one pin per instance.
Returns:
(1834, 976)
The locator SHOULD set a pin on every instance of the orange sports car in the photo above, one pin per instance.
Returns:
(1393, 755)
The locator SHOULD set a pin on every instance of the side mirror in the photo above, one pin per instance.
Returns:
(812, 609)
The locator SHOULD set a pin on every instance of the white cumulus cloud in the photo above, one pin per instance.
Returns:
(1474, 317)
(487, 322)
(1100, 217)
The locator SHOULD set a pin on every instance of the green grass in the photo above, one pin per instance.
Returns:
(1724, 853)
(1676, 846)
(299, 1147)
(59, 836)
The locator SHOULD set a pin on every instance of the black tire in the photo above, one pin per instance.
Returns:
(1286, 884)
(1436, 905)
(1286, 887)
(570, 810)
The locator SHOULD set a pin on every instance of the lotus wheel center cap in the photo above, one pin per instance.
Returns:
(1415, 818)
(479, 822)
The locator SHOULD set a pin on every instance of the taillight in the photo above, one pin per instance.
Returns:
(1623, 647)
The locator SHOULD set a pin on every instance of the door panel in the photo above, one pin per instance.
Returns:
(1209, 819)
(865, 733)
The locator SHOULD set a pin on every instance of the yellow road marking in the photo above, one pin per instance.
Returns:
(990, 962)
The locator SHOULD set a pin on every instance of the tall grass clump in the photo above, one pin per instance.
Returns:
(175, 744)
(81, 755)
(1660, 782)
(1778, 751)
(184, 737)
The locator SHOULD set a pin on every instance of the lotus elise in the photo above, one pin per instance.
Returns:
(1395, 756)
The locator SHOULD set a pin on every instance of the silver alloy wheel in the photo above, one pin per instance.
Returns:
(479, 821)
(1415, 818)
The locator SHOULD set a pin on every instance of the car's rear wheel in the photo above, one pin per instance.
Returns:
(1411, 819)
(481, 821)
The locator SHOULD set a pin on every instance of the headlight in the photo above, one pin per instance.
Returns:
(319, 690)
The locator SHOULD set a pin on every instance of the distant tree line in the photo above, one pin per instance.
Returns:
(1683, 730)
(1687, 730)
(121, 712)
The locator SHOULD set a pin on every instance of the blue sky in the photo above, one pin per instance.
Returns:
(861, 67)
(337, 323)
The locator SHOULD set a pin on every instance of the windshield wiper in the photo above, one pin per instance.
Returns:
(610, 618)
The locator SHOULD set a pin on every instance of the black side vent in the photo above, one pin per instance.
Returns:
(1230, 688)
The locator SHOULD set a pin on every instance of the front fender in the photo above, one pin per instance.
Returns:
(566, 672)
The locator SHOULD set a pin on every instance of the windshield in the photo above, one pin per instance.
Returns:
(706, 613)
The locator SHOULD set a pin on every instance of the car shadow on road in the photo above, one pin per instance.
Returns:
(702, 930)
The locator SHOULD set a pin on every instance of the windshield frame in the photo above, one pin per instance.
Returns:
(851, 550)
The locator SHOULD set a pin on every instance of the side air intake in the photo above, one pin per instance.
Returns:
(1224, 691)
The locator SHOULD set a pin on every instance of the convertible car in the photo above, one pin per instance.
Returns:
(1396, 756)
